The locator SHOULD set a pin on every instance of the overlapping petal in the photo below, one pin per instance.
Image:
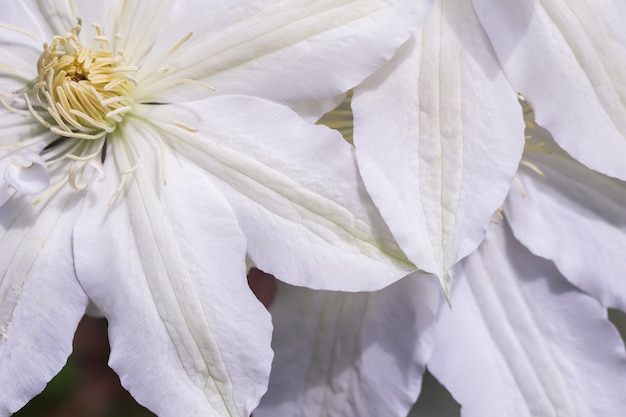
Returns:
(290, 50)
(439, 136)
(187, 335)
(569, 59)
(292, 180)
(521, 341)
(41, 301)
(351, 355)
(575, 217)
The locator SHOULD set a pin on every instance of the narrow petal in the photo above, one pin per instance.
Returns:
(439, 135)
(291, 50)
(575, 217)
(351, 355)
(569, 59)
(166, 265)
(295, 189)
(41, 301)
(521, 341)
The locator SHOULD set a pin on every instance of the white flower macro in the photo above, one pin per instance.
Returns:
(518, 340)
(169, 160)
(439, 137)
(453, 137)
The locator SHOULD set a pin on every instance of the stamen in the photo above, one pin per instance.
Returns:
(49, 192)
(76, 135)
(532, 167)
(200, 83)
(119, 110)
(19, 30)
(120, 185)
(180, 43)
(85, 92)
(35, 114)
(185, 127)
(8, 106)
(518, 186)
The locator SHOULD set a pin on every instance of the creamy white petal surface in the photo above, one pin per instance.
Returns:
(160, 244)
(521, 341)
(340, 354)
(169, 274)
(41, 302)
(439, 136)
(569, 59)
(280, 175)
(268, 49)
(575, 217)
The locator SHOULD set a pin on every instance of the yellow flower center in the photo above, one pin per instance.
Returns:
(86, 91)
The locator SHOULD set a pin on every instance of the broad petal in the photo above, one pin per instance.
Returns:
(351, 355)
(575, 217)
(166, 265)
(289, 51)
(41, 301)
(521, 341)
(295, 189)
(569, 59)
(439, 135)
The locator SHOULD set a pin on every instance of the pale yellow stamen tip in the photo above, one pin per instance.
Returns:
(185, 127)
(180, 43)
(85, 91)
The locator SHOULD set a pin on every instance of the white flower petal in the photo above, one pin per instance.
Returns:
(313, 110)
(41, 302)
(520, 340)
(6, 192)
(17, 129)
(569, 59)
(28, 174)
(40, 18)
(292, 50)
(295, 189)
(576, 218)
(166, 266)
(139, 23)
(351, 355)
(21, 39)
(439, 135)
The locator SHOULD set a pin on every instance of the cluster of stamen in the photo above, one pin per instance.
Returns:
(86, 92)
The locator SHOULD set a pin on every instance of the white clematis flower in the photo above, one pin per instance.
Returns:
(519, 339)
(154, 200)
(530, 339)
(438, 181)
(522, 341)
